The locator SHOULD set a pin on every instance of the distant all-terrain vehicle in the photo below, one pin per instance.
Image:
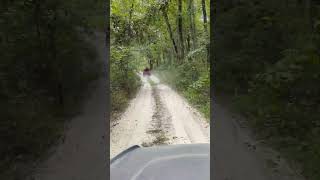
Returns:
(167, 162)
(146, 72)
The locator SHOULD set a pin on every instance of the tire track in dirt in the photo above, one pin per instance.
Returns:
(189, 125)
(160, 128)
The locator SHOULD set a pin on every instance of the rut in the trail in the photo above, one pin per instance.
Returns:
(161, 127)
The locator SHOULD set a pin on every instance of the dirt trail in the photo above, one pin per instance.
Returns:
(237, 156)
(131, 128)
(158, 115)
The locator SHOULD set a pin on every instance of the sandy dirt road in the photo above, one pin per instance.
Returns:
(158, 115)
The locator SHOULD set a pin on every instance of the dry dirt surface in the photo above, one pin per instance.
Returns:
(158, 115)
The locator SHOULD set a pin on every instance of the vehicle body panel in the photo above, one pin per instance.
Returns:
(171, 162)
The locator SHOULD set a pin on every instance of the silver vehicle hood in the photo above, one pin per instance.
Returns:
(172, 162)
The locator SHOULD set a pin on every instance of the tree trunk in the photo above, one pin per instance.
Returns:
(165, 15)
(180, 30)
(204, 14)
(151, 64)
(205, 22)
(192, 23)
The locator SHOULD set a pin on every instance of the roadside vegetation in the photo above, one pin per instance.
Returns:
(124, 80)
(267, 58)
(169, 37)
(193, 85)
(46, 67)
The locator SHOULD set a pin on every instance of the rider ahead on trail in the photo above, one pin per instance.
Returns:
(146, 71)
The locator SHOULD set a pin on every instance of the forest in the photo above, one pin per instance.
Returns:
(267, 59)
(169, 37)
(46, 67)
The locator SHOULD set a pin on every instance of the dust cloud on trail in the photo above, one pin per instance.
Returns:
(158, 115)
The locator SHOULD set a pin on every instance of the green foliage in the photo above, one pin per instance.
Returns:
(124, 80)
(146, 34)
(199, 92)
(192, 80)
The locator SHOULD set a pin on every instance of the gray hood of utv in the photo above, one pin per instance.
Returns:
(172, 162)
